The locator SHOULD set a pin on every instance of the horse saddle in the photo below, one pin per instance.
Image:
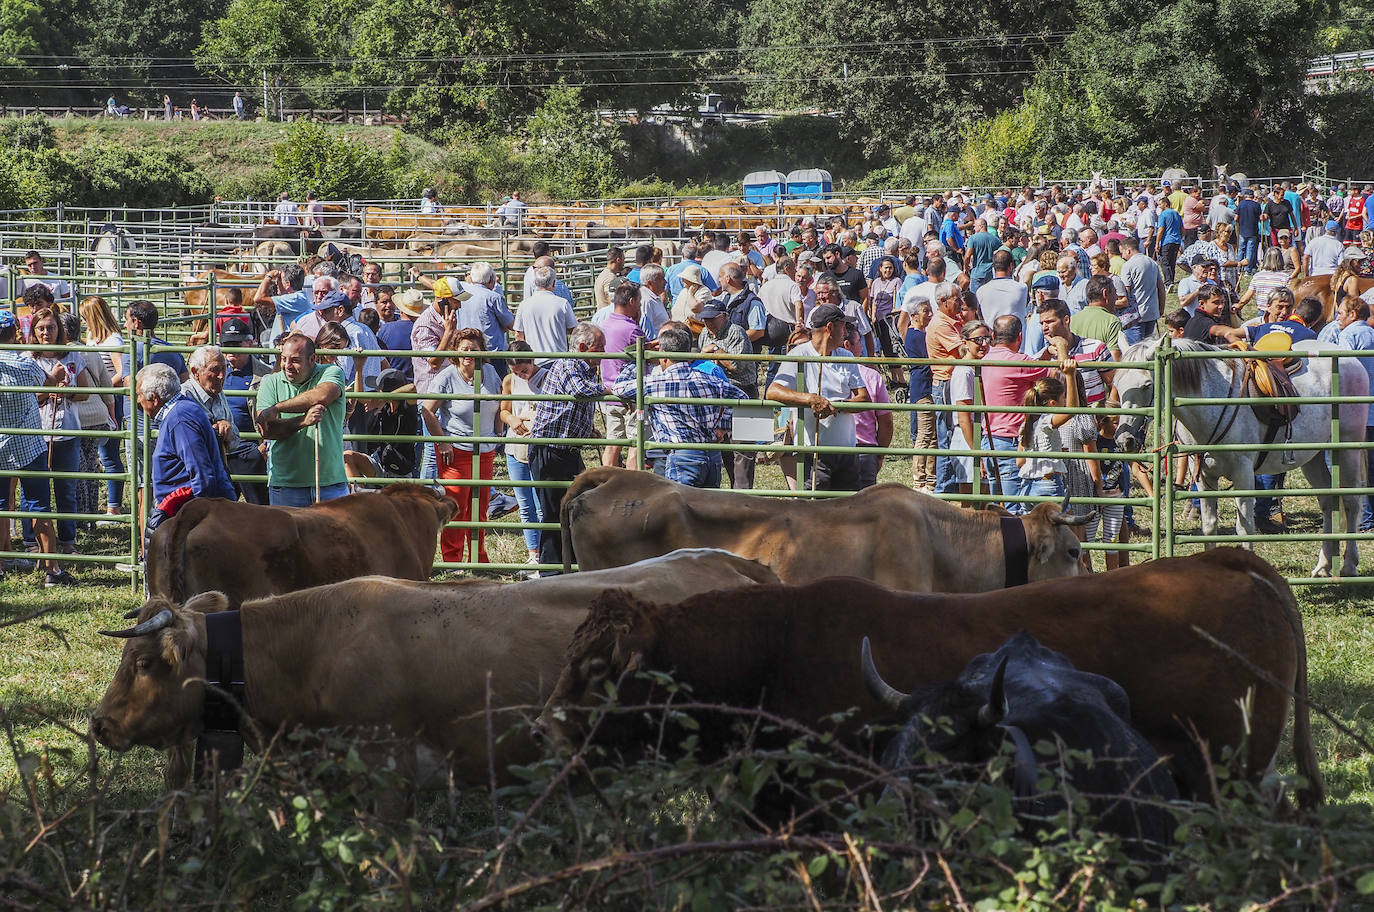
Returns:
(1270, 377)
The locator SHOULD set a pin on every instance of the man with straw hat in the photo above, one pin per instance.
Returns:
(301, 413)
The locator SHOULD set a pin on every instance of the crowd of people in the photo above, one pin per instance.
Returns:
(1049, 286)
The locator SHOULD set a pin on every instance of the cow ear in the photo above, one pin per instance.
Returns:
(208, 602)
(174, 648)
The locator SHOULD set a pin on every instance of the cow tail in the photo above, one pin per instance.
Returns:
(1304, 753)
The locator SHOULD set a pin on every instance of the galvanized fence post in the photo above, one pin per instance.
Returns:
(1164, 478)
(641, 410)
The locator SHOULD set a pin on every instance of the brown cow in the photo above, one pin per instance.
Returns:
(375, 651)
(890, 534)
(795, 650)
(248, 551)
(227, 284)
(1321, 288)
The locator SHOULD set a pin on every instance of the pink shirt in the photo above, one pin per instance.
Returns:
(1007, 386)
(621, 333)
(866, 422)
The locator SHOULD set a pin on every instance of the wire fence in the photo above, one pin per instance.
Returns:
(1164, 538)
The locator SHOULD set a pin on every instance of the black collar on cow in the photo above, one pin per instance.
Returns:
(224, 693)
(1015, 551)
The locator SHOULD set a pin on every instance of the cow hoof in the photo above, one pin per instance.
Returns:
(1321, 572)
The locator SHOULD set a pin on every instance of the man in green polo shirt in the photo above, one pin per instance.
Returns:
(1098, 320)
(301, 413)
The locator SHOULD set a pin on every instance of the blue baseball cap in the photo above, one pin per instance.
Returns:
(334, 299)
(7, 319)
(1332, 225)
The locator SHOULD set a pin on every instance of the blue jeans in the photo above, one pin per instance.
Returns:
(945, 470)
(34, 491)
(1143, 330)
(66, 457)
(110, 449)
(529, 504)
(1006, 469)
(1046, 487)
(1367, 507)
(1249, 250)
(1264, 506)
(698, 468)
(282, 496)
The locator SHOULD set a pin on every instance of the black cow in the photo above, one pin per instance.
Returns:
(1023, 694)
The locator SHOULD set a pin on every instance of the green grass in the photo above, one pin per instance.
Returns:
(230, 152)
(53, 669)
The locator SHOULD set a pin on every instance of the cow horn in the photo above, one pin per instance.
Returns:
(1063, 519)
(131, 614)
(995, 709)
(159, 621)
(883, 692)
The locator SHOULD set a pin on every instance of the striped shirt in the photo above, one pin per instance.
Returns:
(571, 420)
(680, 422)
(19, 410)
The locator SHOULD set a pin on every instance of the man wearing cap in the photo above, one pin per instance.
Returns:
(1193, 283)
(814, 387)
(301, 413)
(209, 375)
(396, 335)
(1323, 255)
(1145, 222)
(331, 307)
(1205, 247)
(243, 376)
(720, 335)
(544, 319)
(680, 423)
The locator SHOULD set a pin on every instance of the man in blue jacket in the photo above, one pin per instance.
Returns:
(186, 459)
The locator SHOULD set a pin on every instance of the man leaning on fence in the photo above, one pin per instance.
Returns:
(579, 378)
(209, 370)
(815, 387)
(301, 411)
(186, 458)
(683, 423)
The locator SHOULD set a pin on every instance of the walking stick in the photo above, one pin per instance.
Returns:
(996, 480)
(316, 436)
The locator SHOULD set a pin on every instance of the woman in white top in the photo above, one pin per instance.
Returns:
(525, 378)
(103, 329)
(1046, 433)
(464, 418)
(977, 337)
(64, 453)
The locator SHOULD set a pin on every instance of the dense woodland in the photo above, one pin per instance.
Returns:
(977, 90)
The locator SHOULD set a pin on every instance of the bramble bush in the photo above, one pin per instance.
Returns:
(296, 829)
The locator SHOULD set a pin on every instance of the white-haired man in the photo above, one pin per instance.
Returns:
(486, 311)
(209, 368)
(186, 460)
(544, 319)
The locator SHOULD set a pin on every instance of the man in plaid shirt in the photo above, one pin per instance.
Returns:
(681, 422)
(570, 420)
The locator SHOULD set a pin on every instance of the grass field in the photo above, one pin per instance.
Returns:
(54, 668)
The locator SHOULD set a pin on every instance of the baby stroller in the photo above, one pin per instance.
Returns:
(894, 375)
